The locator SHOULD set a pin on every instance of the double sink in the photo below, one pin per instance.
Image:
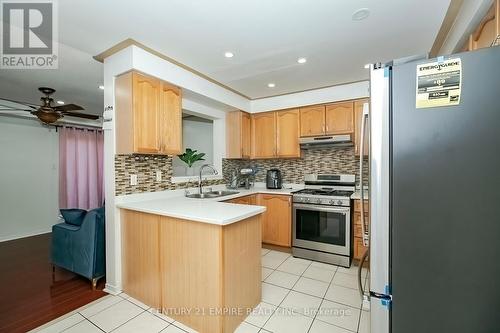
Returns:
(211, 194)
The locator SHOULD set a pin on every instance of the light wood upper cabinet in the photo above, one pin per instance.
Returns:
(339, 118)
(277, 219)
(312, 120)
(238, 135)
(287, 133)
(264, 135)
(488, 29)
(358, 112)
(170, 119)
(148, 115)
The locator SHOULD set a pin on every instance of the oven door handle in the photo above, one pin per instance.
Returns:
(341, 210)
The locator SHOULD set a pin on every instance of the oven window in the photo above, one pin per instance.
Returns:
(321, 226)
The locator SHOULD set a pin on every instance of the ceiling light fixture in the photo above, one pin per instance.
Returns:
(60, 102)
(271, 85)
(367, 66)
(228, 54)
(361, 14)
(101, 87)
(302, 60)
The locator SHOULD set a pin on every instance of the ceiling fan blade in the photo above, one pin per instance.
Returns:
(80, 115)
(68, 107)
(16, 110)
(31, 105)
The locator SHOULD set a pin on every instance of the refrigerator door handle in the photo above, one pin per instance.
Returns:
(364, 118)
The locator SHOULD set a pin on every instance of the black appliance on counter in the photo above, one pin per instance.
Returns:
(273, 179)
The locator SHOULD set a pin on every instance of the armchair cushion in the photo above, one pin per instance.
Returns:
(73, 216)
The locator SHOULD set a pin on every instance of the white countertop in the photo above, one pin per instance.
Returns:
(213, 211)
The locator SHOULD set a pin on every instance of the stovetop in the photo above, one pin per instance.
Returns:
(326, 192)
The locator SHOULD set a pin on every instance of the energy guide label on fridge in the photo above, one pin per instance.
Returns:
(439, 83)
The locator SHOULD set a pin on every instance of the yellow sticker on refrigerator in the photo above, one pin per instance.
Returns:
(439, 83)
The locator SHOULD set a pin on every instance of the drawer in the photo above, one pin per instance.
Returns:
(357, 206)
(359, 249)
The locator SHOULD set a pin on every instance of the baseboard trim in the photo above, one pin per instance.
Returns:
(9, 238)
(110, 289)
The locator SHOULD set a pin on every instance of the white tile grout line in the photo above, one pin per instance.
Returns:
(322, 298)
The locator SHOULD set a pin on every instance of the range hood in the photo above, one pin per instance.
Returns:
(343, 140)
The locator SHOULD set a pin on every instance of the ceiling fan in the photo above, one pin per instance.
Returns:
(47, 113)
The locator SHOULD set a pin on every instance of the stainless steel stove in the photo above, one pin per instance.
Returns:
(322, 219)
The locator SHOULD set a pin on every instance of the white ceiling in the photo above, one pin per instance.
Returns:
(266, 37)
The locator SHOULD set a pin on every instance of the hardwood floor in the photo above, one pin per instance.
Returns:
(29, 296)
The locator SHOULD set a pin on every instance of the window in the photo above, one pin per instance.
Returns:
(197, 134)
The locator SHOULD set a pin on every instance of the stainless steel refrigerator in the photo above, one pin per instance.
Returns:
(435, 194)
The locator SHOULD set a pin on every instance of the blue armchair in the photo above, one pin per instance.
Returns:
(78, 244)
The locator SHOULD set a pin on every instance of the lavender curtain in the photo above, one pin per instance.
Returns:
(81, 172)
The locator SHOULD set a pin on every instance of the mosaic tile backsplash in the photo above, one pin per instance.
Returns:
(326, 160)
(329, 160)
(145, 166)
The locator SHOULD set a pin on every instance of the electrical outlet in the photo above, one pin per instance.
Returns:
(133, 180)
(158, 175)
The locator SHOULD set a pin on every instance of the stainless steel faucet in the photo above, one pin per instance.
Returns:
(215, 172)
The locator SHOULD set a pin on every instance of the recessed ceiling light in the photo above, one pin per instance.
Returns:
(271, 85)
(60, 102)
(360, 14)
(101, 87)
(367, 66)
(228, 54)
(302, 60)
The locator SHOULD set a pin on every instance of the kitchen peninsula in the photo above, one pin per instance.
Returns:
(196, 260)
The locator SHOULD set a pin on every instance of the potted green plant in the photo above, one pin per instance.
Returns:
(190, 157)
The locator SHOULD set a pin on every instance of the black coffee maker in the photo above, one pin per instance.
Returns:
(273, 179)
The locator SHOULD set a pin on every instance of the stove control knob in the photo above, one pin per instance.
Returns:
(306, 199)
(332, 202)
(339, 202)
(318, 201)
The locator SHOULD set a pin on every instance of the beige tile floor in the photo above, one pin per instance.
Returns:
(298, 296)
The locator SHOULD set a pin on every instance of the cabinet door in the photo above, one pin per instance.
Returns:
(358, 112)
(277, 219)
(246, 135)
(140, 256)
(488, 29)
(146, 109)
(287, 133)
(170, 119)
(312, 120)
(264, 135)
(339, 118)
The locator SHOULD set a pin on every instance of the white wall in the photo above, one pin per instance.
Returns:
(29, 178)
(196, 135)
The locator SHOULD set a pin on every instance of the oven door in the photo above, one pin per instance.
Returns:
(322, 228)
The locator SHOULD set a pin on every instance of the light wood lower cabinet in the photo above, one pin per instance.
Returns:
(180, 266)
(359, 249)
(246, 200)
(277, 219)
(141, 258)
